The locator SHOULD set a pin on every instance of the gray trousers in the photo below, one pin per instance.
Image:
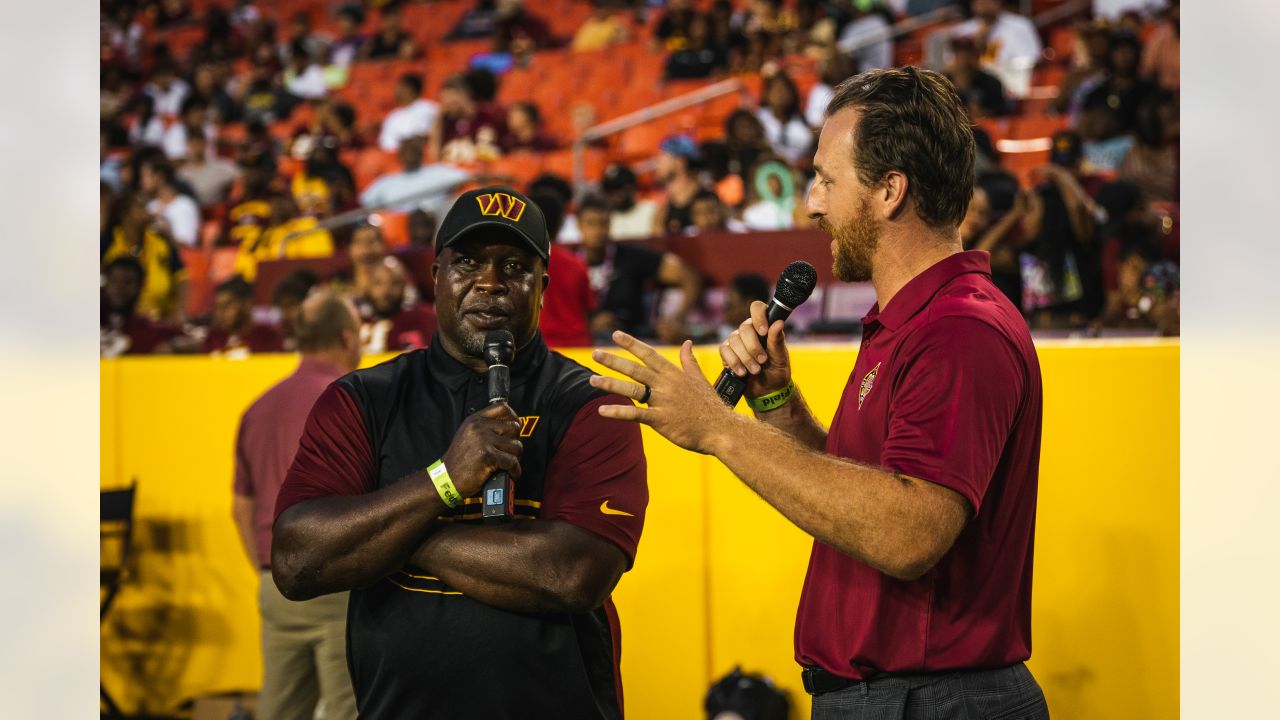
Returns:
(304, 657)
(1009, 693)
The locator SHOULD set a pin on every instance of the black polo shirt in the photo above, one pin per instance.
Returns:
(418, 648)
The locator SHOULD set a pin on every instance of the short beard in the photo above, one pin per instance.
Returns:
(856, 242)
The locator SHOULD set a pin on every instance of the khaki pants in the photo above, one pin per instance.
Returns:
(304, 656)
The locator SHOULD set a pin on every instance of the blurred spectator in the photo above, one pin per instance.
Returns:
(324, 172)
(518, 31)
(195, 115)
(122, 330)
(672, 30)
(568, 300)
(711, 215)
(289, 234)
(1147, 294)
(391, 322)
(222, 107)
(784, 125)
(391, 40)
(131, 233)
(698, 58)
(244, 13)
(772, 197)
(745, 141)
(743, 289)
(1061, 269)
(676, 170)
(416, 186)
(172, 12)
(147, 127)
(715, 163)
(832, 68)
(346, 48)
(602, 29)
(1088, 67)
(558, 187)
(249, 213)
(476, 23)
(287, 298)
(110, 166)
(263, 99)
(304, 77)
(726, 37)
(1121, 88)
(867, 39)
(630, 218)
(524, 130)
(983, 91)
(622, 273)
(467, 129)
(1007, 43)
(1152, 162)
(1105, 144)
(1067, 151)
(366, 251)
(233, 333)
(302, 40)
(175, 212)
(422, 229)
(1162, 58)
(414, 115)
(166, 89)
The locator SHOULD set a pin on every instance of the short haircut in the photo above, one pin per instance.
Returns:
(237, 287)
(413, 81)
(750, 286)
(321, 328)
(707, 194)
(912, 121)
(552, 208)
(592, 202)
(553, 184)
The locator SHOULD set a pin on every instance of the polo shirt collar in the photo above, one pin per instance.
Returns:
(920, 289)
(455, 374)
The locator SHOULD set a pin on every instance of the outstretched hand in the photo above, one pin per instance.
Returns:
(682, 406)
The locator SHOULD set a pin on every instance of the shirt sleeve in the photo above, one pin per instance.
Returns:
(954, 403)
(243, 484)
(334, 455)
(597, 479)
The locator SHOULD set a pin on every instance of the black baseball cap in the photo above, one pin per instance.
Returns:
(497, 207)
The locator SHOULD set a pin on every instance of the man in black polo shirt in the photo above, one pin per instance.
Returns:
(450, 618)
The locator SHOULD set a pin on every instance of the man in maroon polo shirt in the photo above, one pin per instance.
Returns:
(921, 496)
(303, 644)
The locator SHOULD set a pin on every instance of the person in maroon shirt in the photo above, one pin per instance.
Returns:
(234, 333)
(390, 323)
(452, 617)
(304, 644)
(123, 330)
(921, 497)
(569, 300)
(468, 129)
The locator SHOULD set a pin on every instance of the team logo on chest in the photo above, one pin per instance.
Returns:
(867, 382)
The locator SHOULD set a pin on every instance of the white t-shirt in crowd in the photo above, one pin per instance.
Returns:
(768, 216)
(816, 105)
(183, 216)
(168, 102)
(174, 143)
(309, 84)
(430, 187)
(792, 141)
(416, 118)
(873, 30)
(1013, 49)
(633, 224)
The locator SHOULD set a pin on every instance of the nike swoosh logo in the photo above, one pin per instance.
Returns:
(604, 508)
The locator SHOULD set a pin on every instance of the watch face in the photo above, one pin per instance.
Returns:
(494, 497)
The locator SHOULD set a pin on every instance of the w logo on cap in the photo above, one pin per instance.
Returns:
(502, 204)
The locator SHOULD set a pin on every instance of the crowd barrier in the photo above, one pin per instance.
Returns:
(718, 573)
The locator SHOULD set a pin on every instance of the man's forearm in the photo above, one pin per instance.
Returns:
(242, 511)
(797, 420)
(340, 542)
(524, 566)
(889, 521)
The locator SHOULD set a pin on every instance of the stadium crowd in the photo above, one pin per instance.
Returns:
(239, 136)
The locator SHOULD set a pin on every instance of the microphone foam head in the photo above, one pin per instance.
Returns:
(796, 284)
(499, 347)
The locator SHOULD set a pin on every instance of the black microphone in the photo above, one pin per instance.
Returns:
(795, 284)
(499, 349)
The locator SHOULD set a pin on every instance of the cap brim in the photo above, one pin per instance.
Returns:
(497, 224)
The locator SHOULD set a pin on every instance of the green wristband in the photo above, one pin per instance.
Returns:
(444, 485)
(773, 400)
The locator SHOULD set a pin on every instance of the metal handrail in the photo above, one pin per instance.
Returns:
(902, 27)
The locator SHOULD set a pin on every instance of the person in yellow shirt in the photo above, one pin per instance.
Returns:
(602, 29)
(289, 235)
(133, 232)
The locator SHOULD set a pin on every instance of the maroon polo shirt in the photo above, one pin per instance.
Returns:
(946, 388)
(268, 440)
